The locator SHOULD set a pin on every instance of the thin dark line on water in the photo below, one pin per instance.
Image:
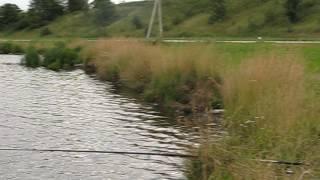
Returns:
(101, 152)
(140, 153)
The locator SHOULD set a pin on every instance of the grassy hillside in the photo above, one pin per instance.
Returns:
(189, 18)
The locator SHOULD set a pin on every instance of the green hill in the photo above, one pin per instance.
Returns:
(189, 18)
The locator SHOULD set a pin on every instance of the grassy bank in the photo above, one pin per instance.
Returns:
(179, 81)
(54, 55)
(270, 94)
(270, 115)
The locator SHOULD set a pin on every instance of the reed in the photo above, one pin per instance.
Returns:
(31, 58)
(10, 48)
(170, 75)
(61, 57)
(271, 113)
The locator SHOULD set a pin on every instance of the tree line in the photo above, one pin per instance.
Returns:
(218, 10)
(42, 12)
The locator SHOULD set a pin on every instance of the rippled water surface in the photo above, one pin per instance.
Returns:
(69, 110)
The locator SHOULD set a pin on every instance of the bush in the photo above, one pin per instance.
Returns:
(105, 11)
(17, 49)
(61, 57)
(218, 11)
(45, 32)
(270, 16)
(32, 58)
(178, 20)
(136, 21)
(9, 48)
(5, 48)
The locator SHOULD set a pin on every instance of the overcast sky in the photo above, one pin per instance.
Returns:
(23, 4)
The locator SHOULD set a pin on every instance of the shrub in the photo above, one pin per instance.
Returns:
(218, 11)
(45, 32)
(177, 20)
(185, 34)
(61, 57)
(292, 10)
(9, 48)
(136, 21)
(17, 49)
(5, 48)
(105, 11)
(32, 58)
(269, 16)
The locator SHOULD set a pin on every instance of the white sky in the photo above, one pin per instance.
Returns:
(23, 4)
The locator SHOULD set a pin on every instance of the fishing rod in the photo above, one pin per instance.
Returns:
(141, 153)
(100, 152)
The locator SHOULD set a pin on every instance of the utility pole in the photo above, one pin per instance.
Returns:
(157, 9)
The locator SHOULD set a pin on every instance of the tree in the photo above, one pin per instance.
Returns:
(218, 10)
(292, 10)
(9, 14)
(104, 11)
(77, 5)
(46, 10)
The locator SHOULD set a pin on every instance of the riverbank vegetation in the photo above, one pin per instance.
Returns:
(180, 81)
(10, 48)
(55, 58)
(270, 115)
(31, 58)
(270, 94)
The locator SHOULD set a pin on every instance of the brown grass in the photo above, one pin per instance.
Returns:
(269, 112)
(167, 74)
(268, 91)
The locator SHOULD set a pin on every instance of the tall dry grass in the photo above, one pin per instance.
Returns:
(270, 115)
(265, 92)
(269, 112)
(167, 74)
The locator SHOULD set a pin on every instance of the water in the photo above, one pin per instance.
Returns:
(70, 110)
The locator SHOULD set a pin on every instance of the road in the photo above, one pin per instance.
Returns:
(189, 41)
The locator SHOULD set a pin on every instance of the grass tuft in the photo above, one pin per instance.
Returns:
(31, 58)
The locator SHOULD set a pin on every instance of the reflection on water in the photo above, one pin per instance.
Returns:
(70, 110)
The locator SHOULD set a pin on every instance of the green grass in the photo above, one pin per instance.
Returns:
(312, 55)
(10, 48)
(270, 93)
(189, 18)
(31, 58)
(56, 54)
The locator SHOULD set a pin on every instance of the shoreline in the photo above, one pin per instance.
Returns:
(263, 89)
